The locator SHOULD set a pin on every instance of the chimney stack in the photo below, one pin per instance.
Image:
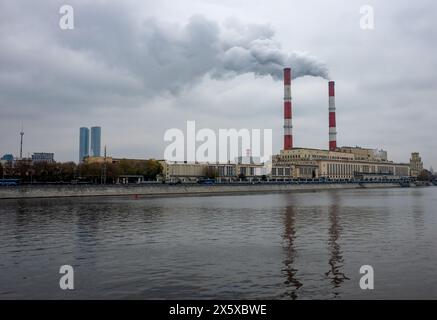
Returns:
(288, 127)
(332, 124)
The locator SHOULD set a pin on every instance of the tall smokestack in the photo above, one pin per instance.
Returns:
(288, 127)
(332, 124)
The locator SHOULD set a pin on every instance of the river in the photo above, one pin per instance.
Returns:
(301, 245)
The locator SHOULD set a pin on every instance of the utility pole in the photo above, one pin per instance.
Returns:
(104, 169)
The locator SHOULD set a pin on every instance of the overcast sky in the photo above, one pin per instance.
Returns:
(138, 68)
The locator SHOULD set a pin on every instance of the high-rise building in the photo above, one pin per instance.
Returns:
(96, 133)
(84, 143)
(416, 164)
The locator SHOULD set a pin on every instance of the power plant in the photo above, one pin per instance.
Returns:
(288, 113)
(335, 162)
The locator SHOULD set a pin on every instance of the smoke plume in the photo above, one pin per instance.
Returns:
(169, 57)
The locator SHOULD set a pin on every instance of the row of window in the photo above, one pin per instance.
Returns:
(284, 172)
(247, 171)
(313, 157)
(227, 171)
(306, 171)
(349, 169)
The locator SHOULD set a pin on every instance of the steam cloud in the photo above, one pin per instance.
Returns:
(256, 51)
(170, 57)
(230, 50)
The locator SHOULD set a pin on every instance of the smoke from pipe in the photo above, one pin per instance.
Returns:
(252, 49)
(169, 57)
(265, 57)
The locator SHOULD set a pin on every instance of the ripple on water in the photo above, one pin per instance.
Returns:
(279, 246)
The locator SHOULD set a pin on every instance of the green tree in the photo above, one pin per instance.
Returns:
(424, 175)
(128, 167)
(149, 169)
(90, 171)
(20, 170)
(112, 172)
(46, 172)
(67, 171)
(8, 171)
(152, 169)
(210, 172)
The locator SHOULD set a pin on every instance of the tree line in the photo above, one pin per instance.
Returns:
(44, 172)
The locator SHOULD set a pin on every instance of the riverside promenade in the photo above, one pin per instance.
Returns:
(60, 191)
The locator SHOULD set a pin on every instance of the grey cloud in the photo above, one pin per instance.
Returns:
(111, 53)
(170, 57)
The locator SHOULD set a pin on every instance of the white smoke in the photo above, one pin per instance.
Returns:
(169, 57)
(234, 48)
(253, 49)
(264, 57)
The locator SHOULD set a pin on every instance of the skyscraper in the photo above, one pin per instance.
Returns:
(96, 133)
(84, 143)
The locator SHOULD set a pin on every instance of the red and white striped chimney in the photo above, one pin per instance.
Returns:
(288, 127)
(332, 124)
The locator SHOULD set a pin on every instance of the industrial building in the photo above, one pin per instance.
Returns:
(336, 162)
(98, 160)
(314, 163)
(221, 172)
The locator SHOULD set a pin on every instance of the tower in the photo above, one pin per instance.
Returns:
(332, 122)
(96, 133)
(84, 143)
(288, 126)
(21, 141)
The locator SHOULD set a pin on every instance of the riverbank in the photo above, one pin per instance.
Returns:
(50, 191)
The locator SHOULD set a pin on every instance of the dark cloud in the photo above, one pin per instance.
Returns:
(169, 56)
(112, 53)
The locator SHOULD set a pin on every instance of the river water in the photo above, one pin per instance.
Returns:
(272, 246)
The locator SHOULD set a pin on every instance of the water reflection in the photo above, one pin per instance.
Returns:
(336, 261)
(289, 237)
(288, 246)
(418, 212)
